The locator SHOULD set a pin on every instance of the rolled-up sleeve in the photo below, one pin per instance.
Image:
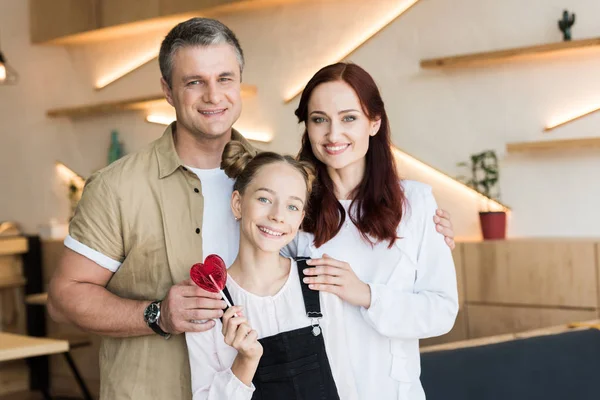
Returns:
(96, 227)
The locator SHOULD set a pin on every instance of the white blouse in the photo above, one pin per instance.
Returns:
(413, 296)
(211, 358)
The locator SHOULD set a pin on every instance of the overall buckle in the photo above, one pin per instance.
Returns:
(314, 322)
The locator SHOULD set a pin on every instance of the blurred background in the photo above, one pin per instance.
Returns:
(491, 103)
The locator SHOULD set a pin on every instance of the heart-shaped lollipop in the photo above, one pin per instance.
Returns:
(211, 275)
(213, 267)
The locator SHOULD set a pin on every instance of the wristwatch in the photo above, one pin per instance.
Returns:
(151, 316)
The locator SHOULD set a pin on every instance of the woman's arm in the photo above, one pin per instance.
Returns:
(431, 307)
(291, 249)
(398, 308)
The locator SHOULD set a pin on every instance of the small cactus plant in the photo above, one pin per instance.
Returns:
(565, 24)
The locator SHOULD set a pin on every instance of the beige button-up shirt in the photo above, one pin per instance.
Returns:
(144, 211)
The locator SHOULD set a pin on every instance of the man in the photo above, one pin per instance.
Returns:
(146, 219)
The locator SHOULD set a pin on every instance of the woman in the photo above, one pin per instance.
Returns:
(285, 341)
(371, 236)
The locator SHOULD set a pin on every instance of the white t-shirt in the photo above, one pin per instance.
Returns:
(211, 358)
(220, 230)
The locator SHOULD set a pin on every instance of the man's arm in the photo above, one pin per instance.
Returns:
(77, 294)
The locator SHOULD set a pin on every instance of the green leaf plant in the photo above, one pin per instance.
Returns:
(483, 174)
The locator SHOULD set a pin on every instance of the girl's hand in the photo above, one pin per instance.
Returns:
(337, 277)
(240, 335)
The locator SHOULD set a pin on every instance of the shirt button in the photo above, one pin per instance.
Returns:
(197, 230)
(196, 190)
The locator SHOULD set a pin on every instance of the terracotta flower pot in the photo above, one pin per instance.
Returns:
(493, 224)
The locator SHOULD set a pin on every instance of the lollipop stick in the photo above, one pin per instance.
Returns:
(220, 291)
(225, 298)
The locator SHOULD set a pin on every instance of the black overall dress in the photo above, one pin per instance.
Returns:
(294, 365)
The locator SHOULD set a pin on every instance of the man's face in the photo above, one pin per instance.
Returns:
(205, 89)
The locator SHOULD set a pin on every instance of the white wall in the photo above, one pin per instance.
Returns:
(438, 116)
(29, 144)
(442, 116)
(31, 193)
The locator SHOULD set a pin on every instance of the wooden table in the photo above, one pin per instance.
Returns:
(74, 341)
(17, 347)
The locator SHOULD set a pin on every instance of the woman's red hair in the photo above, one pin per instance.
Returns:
(378, 200)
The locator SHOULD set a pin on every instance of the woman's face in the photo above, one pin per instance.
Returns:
(272, 207)
(338, 129)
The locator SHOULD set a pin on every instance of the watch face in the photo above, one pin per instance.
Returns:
(151, 313)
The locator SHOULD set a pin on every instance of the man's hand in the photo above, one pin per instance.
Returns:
(186, 302)
(444, 226)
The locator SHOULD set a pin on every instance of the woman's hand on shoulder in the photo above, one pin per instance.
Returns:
(330, 275)
(239, 334)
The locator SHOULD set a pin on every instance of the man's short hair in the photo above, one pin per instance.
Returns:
(195, 32)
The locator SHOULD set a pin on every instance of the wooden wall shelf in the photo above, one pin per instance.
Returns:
(12, 282)
(489, 57)
(138, 103)
(77, 22)
(13, 245)
(40, 299)
(547, 145)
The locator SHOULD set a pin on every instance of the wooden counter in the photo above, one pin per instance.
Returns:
(17, 347)
(516, 285)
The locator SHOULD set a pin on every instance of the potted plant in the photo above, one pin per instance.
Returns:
(484, 179)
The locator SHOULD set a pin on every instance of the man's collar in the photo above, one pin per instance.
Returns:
(168, 159)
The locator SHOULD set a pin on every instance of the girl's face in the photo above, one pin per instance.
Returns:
(272, 207)
(338, 129)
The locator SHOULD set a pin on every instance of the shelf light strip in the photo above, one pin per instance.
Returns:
(355, 44)
(68, 175)
(126, 69)
(342, 54)
(264, 137)
(418, 164)
(571, 118)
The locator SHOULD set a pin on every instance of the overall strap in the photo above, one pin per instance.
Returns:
(312, 303)
(226, 293)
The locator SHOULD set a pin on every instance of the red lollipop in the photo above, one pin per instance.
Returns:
(211, 275)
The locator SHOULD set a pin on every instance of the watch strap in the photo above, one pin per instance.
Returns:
(154, 325)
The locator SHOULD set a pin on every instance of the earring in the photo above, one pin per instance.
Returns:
(237, 218)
